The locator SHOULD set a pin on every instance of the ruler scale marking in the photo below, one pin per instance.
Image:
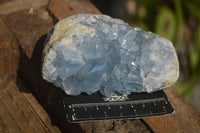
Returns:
(139, 105)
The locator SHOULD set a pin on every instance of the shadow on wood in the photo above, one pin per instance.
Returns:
(49, 96)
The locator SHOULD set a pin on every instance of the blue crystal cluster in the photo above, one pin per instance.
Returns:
(89, 53)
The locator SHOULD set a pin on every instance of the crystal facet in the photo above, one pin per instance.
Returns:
(89, 53)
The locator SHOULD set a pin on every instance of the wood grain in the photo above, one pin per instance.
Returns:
(115, 126)
(185, 119)
(11, 6)
(17, 113)
(28, 28)
(9, 51)
(37, 108)
(7, 122)
(65, 8)
(19, 109)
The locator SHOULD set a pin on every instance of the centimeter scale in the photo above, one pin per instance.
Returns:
(96, 107)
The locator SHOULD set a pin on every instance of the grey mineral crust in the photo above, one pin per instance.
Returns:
(89, 53)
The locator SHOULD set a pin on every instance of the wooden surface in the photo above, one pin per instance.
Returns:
(20, 111)
(64, 8)
(22, 34)
(185, 118)
(11, 6)
(9, 52)
(29, 27)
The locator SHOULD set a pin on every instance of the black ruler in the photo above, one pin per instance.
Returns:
(96, 107)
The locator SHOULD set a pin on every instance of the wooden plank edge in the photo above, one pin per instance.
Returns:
(184, 119)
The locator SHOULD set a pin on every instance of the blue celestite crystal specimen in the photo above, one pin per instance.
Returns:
(89, 53)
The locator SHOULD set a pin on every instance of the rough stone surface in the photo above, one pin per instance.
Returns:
(89, 53)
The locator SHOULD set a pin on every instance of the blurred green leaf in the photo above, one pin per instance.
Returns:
(195, 52)
(194, 8)
(180, 24)
(194, 59)
(165, 23)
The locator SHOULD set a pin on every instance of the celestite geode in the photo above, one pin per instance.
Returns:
(89, 53)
